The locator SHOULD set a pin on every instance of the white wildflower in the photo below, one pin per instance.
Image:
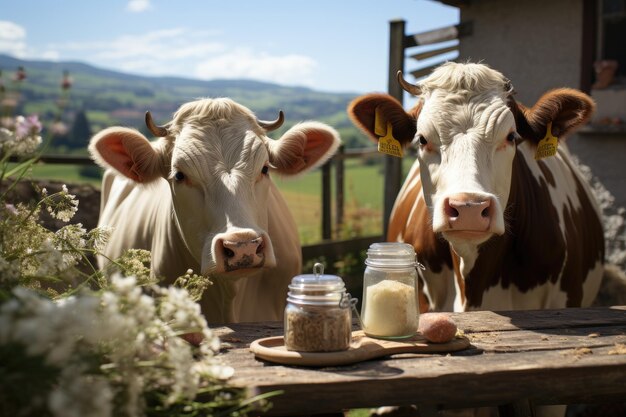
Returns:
(81, 395)
(177, 309)
(21, 137)
(49, 259)
(71, 240)
(210, 369)
(9, 271)
(99, 237)
(99, 353)
(184, 383)
(6, 136)
(63, 206)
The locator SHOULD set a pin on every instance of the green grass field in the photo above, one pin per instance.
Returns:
(363, 199)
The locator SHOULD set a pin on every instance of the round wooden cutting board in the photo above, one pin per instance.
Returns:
(362, 348)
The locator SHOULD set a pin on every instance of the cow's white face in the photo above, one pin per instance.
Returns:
(220, 182)
(466, 146)
(217, 159)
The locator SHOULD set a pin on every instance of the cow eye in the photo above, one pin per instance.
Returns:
(512, 136)
(422, 140)
(265, 170)
(179, 176)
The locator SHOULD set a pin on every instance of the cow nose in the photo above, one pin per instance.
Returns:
(243, 254)
(468, 212)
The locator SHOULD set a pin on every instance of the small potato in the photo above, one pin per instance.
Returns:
(193, 338)
(437, 327)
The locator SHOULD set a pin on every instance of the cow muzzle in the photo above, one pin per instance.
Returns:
(241, 255)
(468, 216)
(239, 251)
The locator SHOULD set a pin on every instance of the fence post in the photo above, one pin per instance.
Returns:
(393, 165)
(339, 183)
(326, 197)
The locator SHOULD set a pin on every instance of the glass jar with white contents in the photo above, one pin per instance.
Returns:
(318, 315)
(390, 304)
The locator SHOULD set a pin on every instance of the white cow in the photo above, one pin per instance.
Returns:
(201, 197)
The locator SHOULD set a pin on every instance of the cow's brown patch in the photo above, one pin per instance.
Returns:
(584, 235)
(417, 230)
(532, 250)
(547, 174)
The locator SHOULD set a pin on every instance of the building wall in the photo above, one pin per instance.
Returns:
(535, 43)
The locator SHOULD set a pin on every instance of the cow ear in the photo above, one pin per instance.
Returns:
(566, 108)
(303, 147)
(127, 151)
(363, 111)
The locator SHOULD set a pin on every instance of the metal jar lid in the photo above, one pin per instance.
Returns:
(391, 254)
(317, 288)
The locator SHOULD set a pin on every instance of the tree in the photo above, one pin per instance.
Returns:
(81, 131)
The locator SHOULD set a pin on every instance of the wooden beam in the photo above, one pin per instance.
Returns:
(338, 248)
(456, 3)
(326, 202)
(393, 165)
(439, 35)
(422, 72)
(588, 44)
(434, 52)
(339, 185)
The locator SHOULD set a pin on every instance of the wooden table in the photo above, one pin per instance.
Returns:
(563, 356)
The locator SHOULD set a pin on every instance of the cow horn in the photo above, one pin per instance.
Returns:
(158, 131)
(407, 86)
(269, 126)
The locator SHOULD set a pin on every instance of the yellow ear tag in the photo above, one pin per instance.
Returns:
(386, 142)
(547, 146)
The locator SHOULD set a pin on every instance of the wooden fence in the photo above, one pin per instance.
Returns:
(332, 209)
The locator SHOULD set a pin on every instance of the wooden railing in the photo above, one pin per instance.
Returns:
(332, 212)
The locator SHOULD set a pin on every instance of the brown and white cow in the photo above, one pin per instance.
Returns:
(201, 197)
(496, 228)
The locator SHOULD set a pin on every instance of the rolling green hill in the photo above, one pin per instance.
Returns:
(114, 98)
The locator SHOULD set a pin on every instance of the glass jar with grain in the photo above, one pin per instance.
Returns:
(390, 304)
(318, 315)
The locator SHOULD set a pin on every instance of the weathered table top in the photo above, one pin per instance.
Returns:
(563, 356)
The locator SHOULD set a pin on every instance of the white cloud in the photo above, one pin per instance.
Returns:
(138, 6)
(242, 63)
(166, 51)
(12, 39)
(163, 45)
(51, 55)
(189, 53)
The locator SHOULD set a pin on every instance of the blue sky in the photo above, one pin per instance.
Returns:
(328, 45)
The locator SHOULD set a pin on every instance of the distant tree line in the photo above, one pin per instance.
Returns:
(74, 138)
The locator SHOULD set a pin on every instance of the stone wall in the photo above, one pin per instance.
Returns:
(88, 201)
